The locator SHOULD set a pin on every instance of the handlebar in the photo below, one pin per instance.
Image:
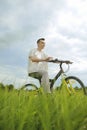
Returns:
(60, 61)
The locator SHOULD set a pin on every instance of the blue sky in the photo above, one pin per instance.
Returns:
(62, 23)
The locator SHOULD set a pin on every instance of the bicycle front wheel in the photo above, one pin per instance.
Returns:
(75, 85)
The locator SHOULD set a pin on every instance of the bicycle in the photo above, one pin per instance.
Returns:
(73, 84)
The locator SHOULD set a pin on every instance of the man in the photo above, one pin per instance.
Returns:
(38, 67)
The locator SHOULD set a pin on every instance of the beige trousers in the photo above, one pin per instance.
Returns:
(44, 78)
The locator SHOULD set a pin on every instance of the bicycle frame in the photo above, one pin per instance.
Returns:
(52, 81)
(61, 71)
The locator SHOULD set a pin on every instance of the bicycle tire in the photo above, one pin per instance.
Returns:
(78, 81)
(30, 87)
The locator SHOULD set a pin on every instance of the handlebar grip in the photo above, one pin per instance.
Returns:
(68, 62)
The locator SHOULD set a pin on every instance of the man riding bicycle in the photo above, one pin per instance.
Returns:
(38, 67)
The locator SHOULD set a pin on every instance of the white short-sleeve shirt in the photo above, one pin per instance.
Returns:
(37, 66)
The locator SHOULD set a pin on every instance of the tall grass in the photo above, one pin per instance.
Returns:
(21, 110)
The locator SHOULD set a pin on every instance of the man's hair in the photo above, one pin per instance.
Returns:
(40, 40)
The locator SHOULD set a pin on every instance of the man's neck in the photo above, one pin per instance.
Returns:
(39, 49)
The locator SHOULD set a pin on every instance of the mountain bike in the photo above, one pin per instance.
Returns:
(73, 84)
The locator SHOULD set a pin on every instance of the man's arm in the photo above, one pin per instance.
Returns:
(34, 59)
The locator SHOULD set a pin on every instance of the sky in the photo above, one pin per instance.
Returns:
(62, 23)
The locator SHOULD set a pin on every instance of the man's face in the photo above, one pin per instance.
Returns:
(41, 44)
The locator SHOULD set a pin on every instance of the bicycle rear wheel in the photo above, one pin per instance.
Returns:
(75, 85)
(30, 87)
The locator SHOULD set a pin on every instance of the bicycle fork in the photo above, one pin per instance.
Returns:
(68, 85)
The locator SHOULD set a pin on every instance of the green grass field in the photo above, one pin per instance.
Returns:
(23, 110)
